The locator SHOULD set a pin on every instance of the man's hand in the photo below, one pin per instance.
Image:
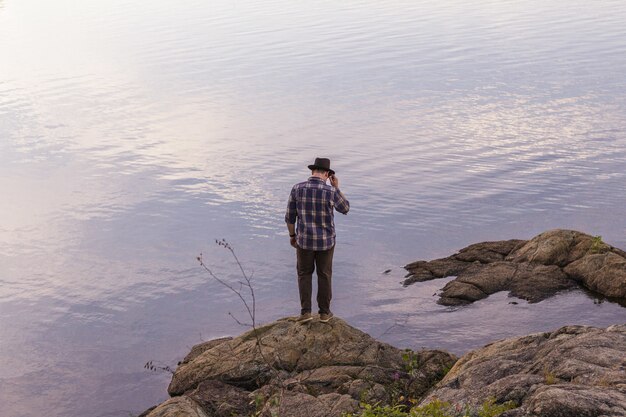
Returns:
(293, 242)
(334, 181)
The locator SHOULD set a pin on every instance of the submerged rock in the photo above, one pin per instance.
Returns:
(313, 369)
(574, 371)
(533, 270)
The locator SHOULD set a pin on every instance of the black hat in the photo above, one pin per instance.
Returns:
(323, 164)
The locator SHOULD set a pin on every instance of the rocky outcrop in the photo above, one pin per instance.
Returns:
(533, 270)
(312, 369)
(327, 369)
(574, 371)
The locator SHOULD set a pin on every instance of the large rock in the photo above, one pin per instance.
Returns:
(288, 346)
(554, 247)
(531, 282)
(571, 400)
(297, 404)
(218, 399)
(603, 272)
(178, 407)
(534, 270)
(310, 369)
(574, 371)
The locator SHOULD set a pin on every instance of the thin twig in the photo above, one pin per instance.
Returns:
(239, 322)
(238, 292)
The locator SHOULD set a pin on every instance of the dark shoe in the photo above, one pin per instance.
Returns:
(304, 318)
(325, 318)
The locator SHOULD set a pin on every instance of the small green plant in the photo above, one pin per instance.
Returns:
(400, 388)
(275, 406)
(435, 408)
(445, 370)
(376, 410)
(411, 362)
(603, 382)
(491, 409)
(596, 244)
(259, 402)
(549, 378)
(407, 384)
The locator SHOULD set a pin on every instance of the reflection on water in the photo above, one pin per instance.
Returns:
(135, 133)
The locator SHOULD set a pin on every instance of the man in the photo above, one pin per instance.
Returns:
(312, 203)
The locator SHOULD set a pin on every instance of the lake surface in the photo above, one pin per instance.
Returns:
(134, 134)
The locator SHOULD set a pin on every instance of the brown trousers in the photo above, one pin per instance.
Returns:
(308, 261)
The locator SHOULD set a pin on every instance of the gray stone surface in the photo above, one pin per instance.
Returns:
(312, 369)
(289, 346)
(297, 404)
(534, 270)
(574, 371)
(218, 399)
(178, 407)
(603, 272)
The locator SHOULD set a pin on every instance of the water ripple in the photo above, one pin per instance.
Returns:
(134, 134)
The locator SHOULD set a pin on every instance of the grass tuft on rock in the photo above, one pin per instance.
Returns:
(435, 408)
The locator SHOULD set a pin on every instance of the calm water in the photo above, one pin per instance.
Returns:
(132, 134)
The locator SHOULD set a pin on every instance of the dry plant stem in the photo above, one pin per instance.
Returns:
(248, 282)
(251, 309)
(234, 290)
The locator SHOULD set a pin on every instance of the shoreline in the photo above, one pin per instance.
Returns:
(228, 374)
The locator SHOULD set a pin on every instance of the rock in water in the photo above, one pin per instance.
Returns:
(533, 270)
(602, 272)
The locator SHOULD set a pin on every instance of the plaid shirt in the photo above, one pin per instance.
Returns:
(312, 203)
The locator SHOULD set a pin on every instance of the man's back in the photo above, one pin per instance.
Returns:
(312, 202)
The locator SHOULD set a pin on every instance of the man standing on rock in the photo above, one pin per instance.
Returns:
(312, 203)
